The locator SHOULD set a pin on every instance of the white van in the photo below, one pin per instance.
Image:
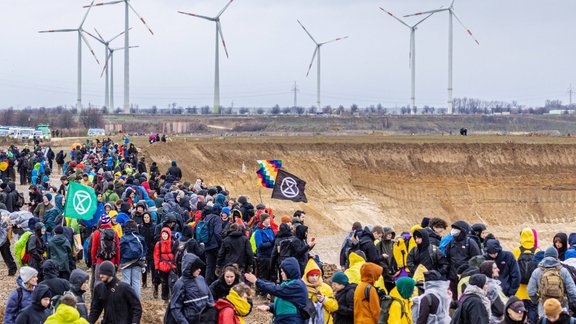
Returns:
(96, 132)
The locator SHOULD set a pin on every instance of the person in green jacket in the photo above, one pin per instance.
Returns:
(60, 251)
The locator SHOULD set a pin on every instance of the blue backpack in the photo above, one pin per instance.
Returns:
(202, 232)
(131, 247)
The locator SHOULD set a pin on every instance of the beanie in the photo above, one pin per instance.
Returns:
(478, 280)
(313, 272)
(551, 252)
(242, 200)
(552, 307)
(107, 268)
(286, 219)
(27, 273)
(405, 287)
(340, 277)
(105, 219)
(226, 210)
(48, 196)
(59, 230)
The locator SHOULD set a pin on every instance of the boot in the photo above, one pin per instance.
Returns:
(155, 293)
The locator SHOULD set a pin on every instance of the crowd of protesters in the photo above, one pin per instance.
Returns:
(209, 255)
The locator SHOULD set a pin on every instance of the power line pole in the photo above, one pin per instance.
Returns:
(295, 90)
(570, 91)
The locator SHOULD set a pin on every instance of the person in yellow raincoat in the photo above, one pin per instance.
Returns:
(528, 244)
(115, 225)
(66, 312)
(356, 259)
(402, 293)
(402, 247)
(320, 293)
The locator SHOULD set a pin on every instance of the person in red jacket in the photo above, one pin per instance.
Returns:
(99, 252)
(164, 260)
(236, 306)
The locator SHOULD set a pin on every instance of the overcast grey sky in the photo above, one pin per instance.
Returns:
(526, 52)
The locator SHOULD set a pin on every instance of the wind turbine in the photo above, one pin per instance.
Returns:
(110, 58)
(81, 39)
(219, 35)
(106, 44)
(317, 52)
(451, 15)
(127, 9)
(412, 52)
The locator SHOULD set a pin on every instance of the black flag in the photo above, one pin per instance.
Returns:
(289, 187)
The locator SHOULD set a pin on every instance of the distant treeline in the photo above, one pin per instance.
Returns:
(58, 117)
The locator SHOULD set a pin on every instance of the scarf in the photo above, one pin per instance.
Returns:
(474, 290)
(313, 288)
(243, 307)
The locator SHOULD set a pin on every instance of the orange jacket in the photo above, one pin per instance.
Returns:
(367, 311)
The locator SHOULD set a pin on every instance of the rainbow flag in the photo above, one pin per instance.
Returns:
(267, 173)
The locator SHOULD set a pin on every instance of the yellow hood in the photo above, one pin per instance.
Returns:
(414, 229)
(353, 272)
(354, 259)
(65, 314)
(311, 265)
(527, 238)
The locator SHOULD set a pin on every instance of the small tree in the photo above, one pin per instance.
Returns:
(260, 111)
(275, 110)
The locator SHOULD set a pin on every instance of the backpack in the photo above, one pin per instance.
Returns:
(132, 247)
(180, 251)
(22, 256)
(20, 293)
(55, 301)
(309, 311)
(526, 255)
(285, 249)
(107, 249)
(551, 284)
(416, 306)
(385, 303)
(202, 232)
(20, 200)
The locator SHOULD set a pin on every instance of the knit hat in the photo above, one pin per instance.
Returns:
(405, 287)
(27, 273)
(552, 307)
(59, 230)
(105, 219)
(286, 219)
(107, 268)
(551, 252)
(48, 196)
(425, 222)
(314, 272)
(340, 277)
(242, 200)
(478, 280)
(226, 210)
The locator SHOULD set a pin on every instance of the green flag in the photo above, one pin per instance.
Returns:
(81, 202)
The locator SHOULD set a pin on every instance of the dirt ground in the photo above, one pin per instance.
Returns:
(506, 182)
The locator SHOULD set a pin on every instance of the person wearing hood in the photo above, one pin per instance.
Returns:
(555, 314)
(478, 233)
(509, 272)
(494, 292)
(386, 247)
(426, 255)
(66, 312)
(57, 286)
(79, 285)
(116, 298)
(133, 251)
(434, 303)
(146, 230)
(60, 251)
(190, 295)
(26, 282)
(403, 292)
(164, 254)
(214, 224)
(187, 244)
(37, 312)
(366, 245)
(5, 246)
(460, 249)
(235, 306)
(345, 297)
(290, 296)
(515, 312)
(550, 261)
(320, 293)
(230, 277)
(36, 248)
(236, 249)
(174, 171)
(436, 228)
(11, 197)
(367, 310)
(475, 306)
(300, 246)
(282, 247)
(246, 209)
(560, 241)
(528, 249)
(350, 242)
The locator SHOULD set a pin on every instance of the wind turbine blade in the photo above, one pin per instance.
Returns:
(89, 47)
(106, 64)
(467, 30)
(122, 48)
(86, 14)
(58, 31)
(140, 17)
(313, 57)
(307, 32)
(222, 37)
(122, 33)
(421, 21)
(104, 3)
(97, 33)
(426, 12)
(96, 38)
(197, 16)
(391, 15)
(224, 9)
(334, 40)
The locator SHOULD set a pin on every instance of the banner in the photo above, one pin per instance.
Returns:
(81, 202)
(289, 187)
(267, 173)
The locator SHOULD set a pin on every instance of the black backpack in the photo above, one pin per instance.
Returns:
(20, 200)
(181, 249)
(107, 249)
(285, 249)
(524, 259)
